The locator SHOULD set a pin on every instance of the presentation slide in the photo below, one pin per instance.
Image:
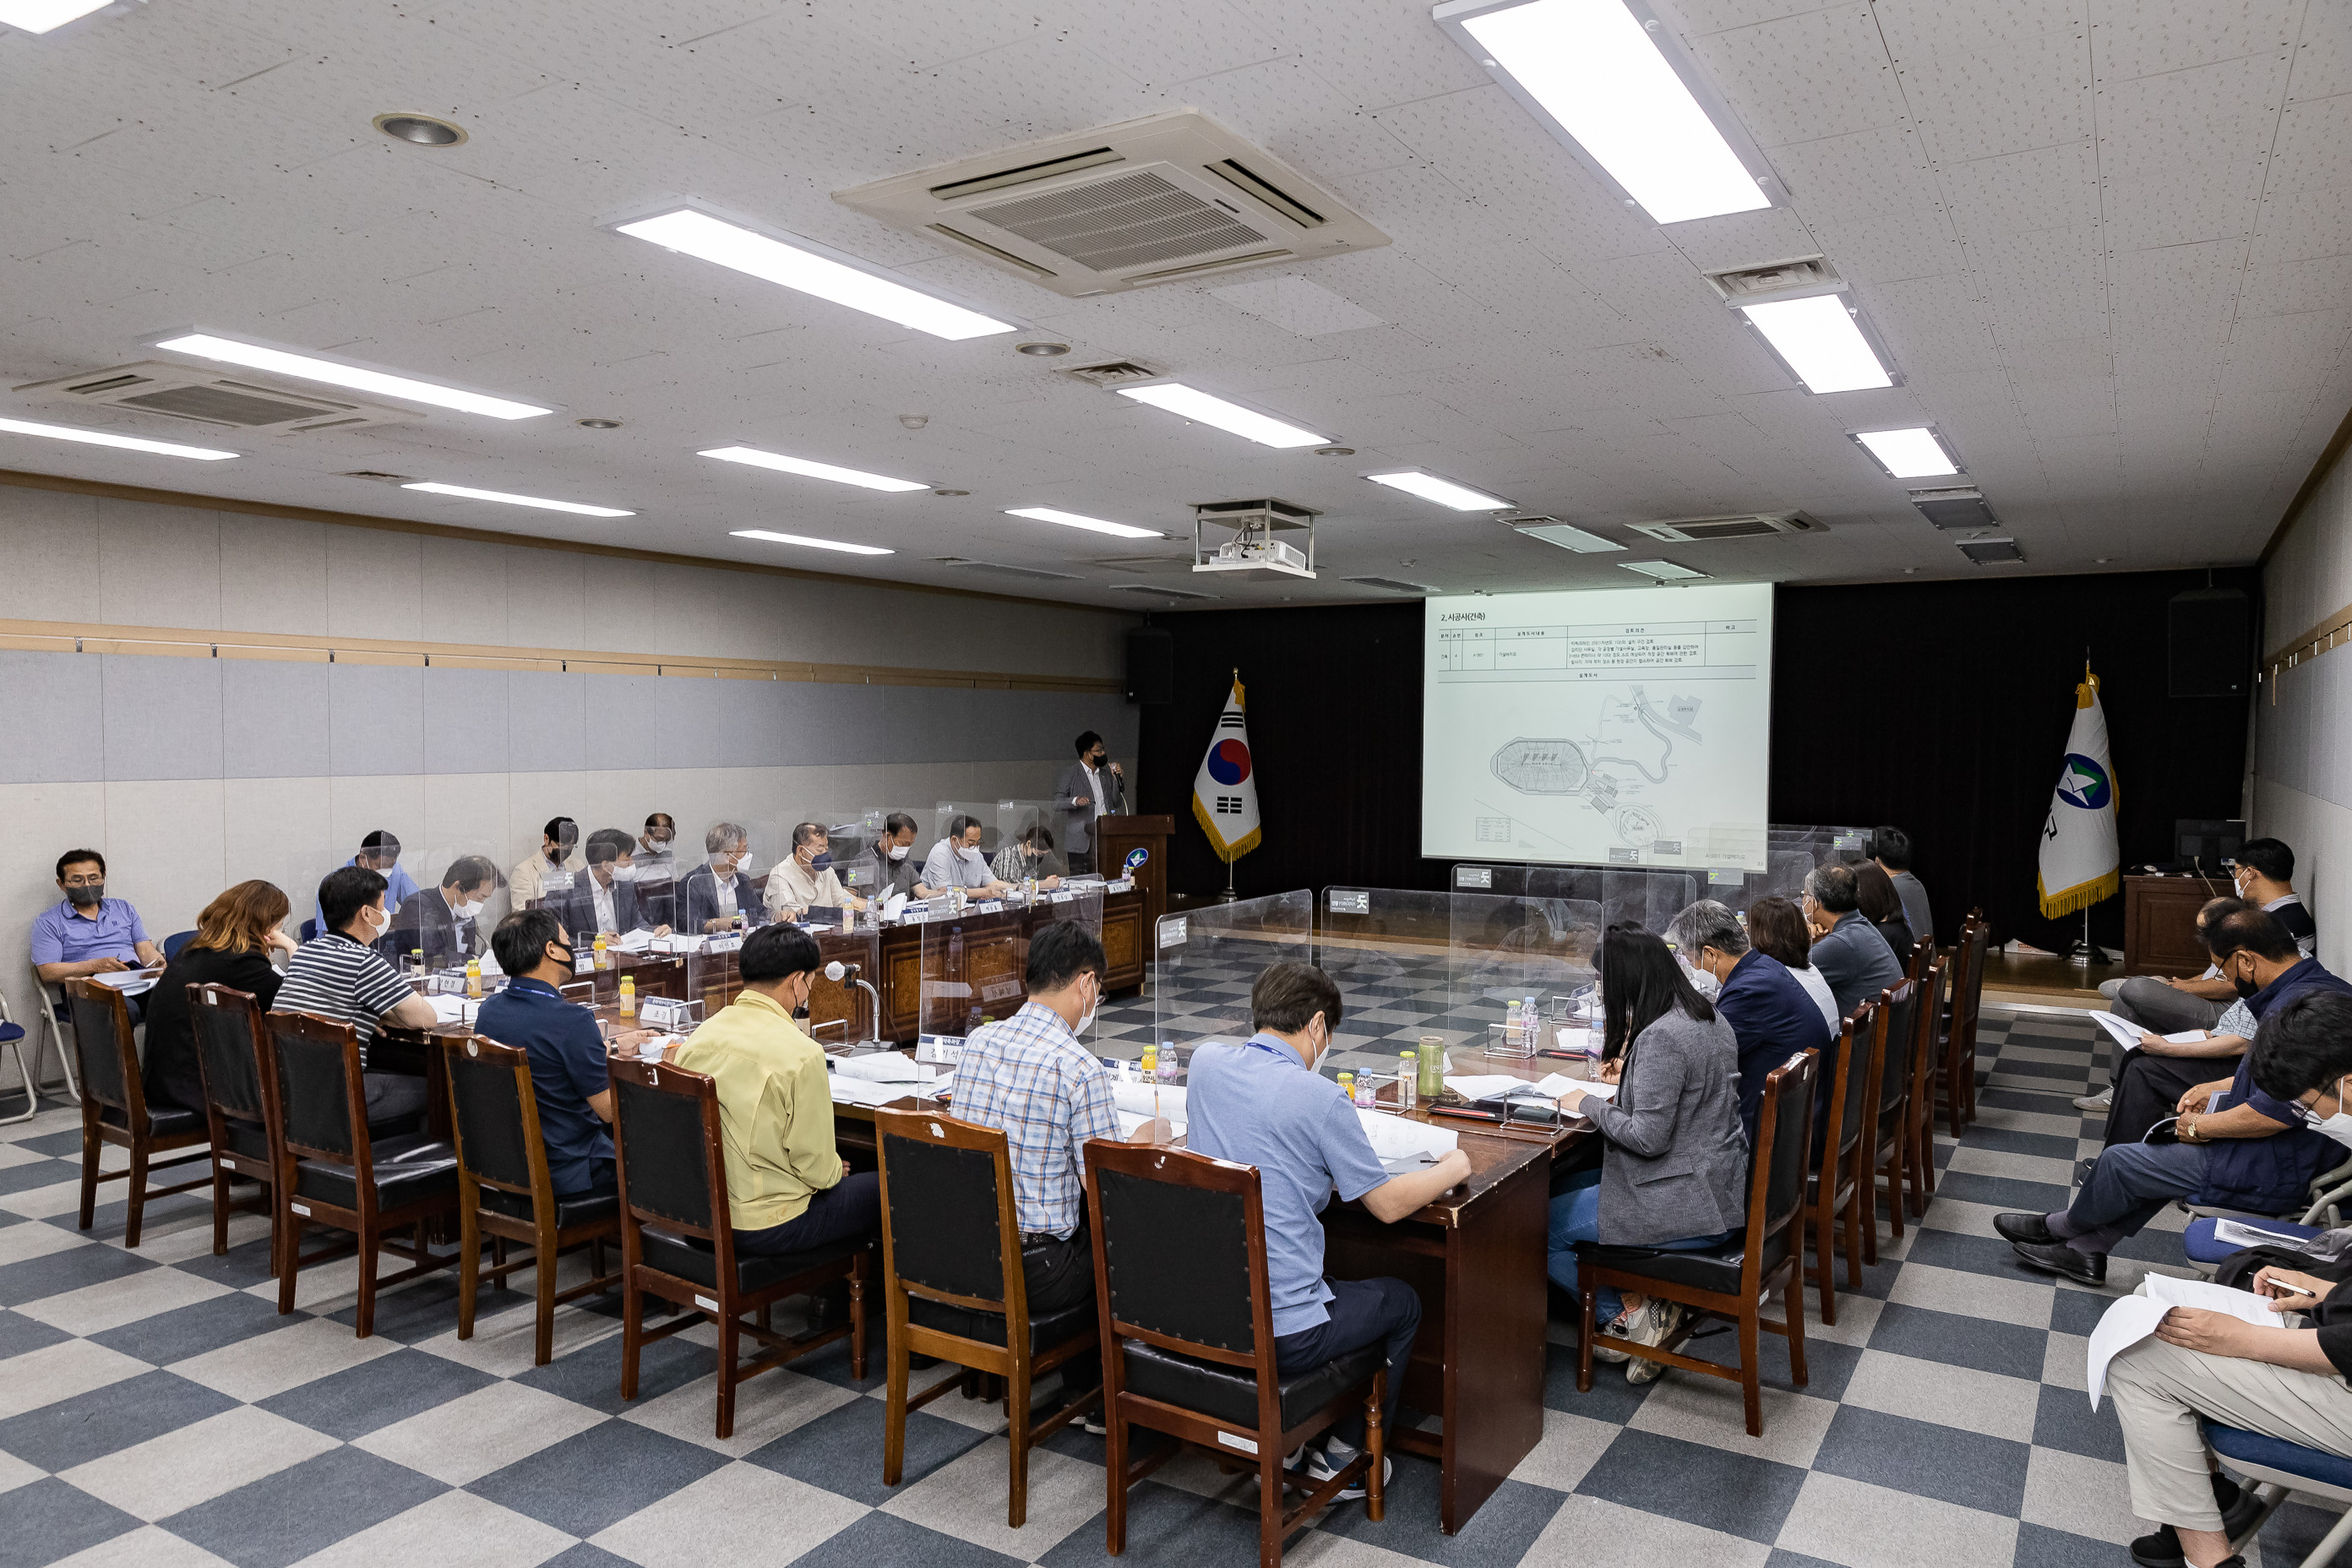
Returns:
(1599, 727)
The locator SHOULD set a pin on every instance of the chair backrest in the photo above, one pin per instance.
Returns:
(102, 1045)
(670, 1150)
(228, 1031)
(1784, 1143)
(1968, 980)
(175, 942)
(949, 1224)
(1923, 953)
(1900, 1004)
(1850, 1084)
(494, 1116)
(1927, 1018)
(1182, 1243)
(322, 1105)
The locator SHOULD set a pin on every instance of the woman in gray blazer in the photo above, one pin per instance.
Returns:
(1675, 1157)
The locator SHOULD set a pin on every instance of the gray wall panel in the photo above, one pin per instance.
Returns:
(49, 708)
(547, 714)
(465, 720)
(274, 720)
(163, 717)
(378, 719)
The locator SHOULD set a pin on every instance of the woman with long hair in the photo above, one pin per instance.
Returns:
(1674, 1156)
(1776, 927)
(1882, 906)
(235, 937)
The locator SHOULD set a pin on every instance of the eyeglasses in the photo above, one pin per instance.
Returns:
(85, 881)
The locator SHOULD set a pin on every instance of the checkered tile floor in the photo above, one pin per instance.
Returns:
(154, 1409)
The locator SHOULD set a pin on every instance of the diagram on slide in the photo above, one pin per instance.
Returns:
(1612, 784)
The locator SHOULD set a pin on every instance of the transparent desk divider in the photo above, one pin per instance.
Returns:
(1650, 899)
(1542, 952)
(842, 1012)
(1029, 841)
(428, 934)
(973, 964)
(1205, 960)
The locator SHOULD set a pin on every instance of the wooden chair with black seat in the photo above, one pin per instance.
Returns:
(954, 1286)
(1732, 1279)
(115, 1108)
(1955, 1039)
(1188, 1338)
(1889, 1150)
(1834, 1197)
(1926, 1019)
(504, 1188)
(335, 1172)
(231, 1045)
(679, 1244)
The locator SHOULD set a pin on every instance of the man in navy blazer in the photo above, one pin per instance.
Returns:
(1770, 1015)
(1847, 949)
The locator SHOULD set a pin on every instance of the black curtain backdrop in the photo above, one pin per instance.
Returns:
(1940, 706)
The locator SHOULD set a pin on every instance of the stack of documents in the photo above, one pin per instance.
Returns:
(2128, 1035)
(2135, 1318)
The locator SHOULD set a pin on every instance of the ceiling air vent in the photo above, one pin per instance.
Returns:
(1114, 373)
(1992, 552)
(1159, 200)
(225, 402)
(1157, 591)
(1565, 535)
(1744, 525)
(1393, 584)
(1029, 571)
(1777, 281)
(379, 476)
(1955, 506)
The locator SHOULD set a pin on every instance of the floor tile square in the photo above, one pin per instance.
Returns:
(27, 1239)
(590, 1374)
(278, 1520)
(1590, 1530)
(599, 1477)
(109, 1304)
(841, 1450)
(767, 1407)
(1744, 1497)
(65, 1369)
(1503, 1529)
(1569, 1448)
(506, 1341)
(2080, 1496)
(2078, 1312)
(454, 1529)
(1711, 1412)
(1989, 1403)
(51, 1518)
(149, 1546)
(735, 1514)
(882, 1537)
(360, 1398)
(1986, 1345)
(1852, 1522)
(966, 1498)
(191, 1331)
(1966, 1468)
(468, 1438)
(63, 1270)
(74, 1431)
(2064, 1420)
(2023, 1301)
(180, 1468)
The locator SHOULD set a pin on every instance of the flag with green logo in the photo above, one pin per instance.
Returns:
(2079, 863)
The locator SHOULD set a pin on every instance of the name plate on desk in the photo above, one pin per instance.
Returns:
(662, 1013)
(1349, 901)
(724, 944)
(938, 1050)
(1124, 885)
(989, 907)
(1064, 898)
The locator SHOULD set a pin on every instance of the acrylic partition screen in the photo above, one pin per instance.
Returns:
(1205, 960)
(1029, 841)
(974, 964)
(1650, 899)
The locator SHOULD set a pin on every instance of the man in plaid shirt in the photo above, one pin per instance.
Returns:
(1034, 1078)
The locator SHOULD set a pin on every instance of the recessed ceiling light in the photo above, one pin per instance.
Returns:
(422, 130)
(1445, 492)
(108, 438)
(1042, 350)
(1074, 520)
(784, 465)
(504, 497)
(1910, 454)
(1602, 81)
(799, 264)
(311, 367)
(1816, 337)
(598, 424)
(1191, 402)
(1665, 571)
(812, 544)
(45, 15)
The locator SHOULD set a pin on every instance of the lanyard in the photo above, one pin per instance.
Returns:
(1280, 1052)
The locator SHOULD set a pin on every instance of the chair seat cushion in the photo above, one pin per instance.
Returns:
(572, 1209)
(1716, 1269)
(2277, 1454)
(11, 1032)
(247, 1137)
(1229, 1394)
(164, 1120)
(2200, 1246)
(692, 1260)
(987, 1328)
(410, 1169)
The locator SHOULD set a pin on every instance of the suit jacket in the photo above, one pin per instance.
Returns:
(1856, 961)
(1078, 821)
(1772, 1016)
(577, 909)
(1675, 1165)
(426, 923)
(700, 894)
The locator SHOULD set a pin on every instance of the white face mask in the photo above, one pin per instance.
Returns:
(467, 911)
(2337, 1127)
(368, 922)
(899, 852)
(1088, 1022)
(975, 857)
(625, 873)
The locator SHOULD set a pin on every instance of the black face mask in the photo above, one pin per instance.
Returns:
(87, 897)
(571, 959)
(2247, 989)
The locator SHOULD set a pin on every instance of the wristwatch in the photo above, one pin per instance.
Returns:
(2186, 1127)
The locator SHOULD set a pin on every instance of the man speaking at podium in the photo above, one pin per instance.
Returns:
(1090, 787)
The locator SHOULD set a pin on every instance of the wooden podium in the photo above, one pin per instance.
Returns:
(1115, 837)
(2160, 923)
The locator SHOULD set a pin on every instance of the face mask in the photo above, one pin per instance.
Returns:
(87, 897)
(899, 852)
(368, 923)
(2337, 1127)
(820, 862)
(467, 911)
(975, 857)
(571, 959)
(1088, 1022)
(625, 873)
(2246, 988)
(657, 845)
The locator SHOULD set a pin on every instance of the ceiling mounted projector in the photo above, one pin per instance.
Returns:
(1248, 542)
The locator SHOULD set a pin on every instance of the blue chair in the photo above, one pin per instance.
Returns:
(12, 1041)
(2206, 1252)
(309, 931)
(174, 943)
(2279, 1467)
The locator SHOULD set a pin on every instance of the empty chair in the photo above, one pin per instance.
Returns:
(1890, 1147)
(1919, 1112)
(1188, 1337)
(504, 1187)
(114, 1108)
(334, 1171)
(1835, 1197)
(12, 1043)
(678, 1243)
(1731, 1279)
(56, 1016)
(231, 1044)
(1957, 1028)
(954, 1286)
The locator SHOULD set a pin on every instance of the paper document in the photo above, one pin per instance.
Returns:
(449, 1009)
(130, 981)
(1395, 1138)
(2127, 1035)
(2134, 1318)
(2235, 1233)
(1489, 1085)
(631, 941)
(882, 1067)
(1572, 1038)
(1597, 1090)
(1129, 1121)
(864, 1091)
(1147, 1098)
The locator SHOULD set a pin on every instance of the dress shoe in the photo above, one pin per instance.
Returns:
(2031, 1228)
(2057, 1257)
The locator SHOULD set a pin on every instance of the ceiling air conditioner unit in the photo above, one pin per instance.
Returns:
(209, 397)
(1167, 198)
(1955, 506)
(1742, 525)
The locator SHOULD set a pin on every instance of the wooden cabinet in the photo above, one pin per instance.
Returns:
(1126, 952)
(2160, 924)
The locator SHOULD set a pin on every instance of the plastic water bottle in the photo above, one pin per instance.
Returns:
(1511, 1030)
(1408, 1070)
(1531, 1025)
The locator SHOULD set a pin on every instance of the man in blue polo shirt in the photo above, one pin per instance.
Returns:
(88, 933)
(568, 1073)
(1261, 1103)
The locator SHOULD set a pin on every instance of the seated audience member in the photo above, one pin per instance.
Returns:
(380, 853)
(1883, 909)
(1033, 1077)
(1674, 1156)
(787, 1190)
(235, 937)
(1771, 1016)
(956, 862)
(893, 859)
(568, 1075)
(1847, 949)
(550, 870)
(1261, 1103)
(655, 856)
(718, 895)
(603, 899)
(1027, 857)
(2262, 875)
(339, 976)
(2144, 1084)
(1891, 848)
(86, 933)
(804, 880)
(2239, 1147)
(2286, 1382)
(1776, 927)
(440, 922)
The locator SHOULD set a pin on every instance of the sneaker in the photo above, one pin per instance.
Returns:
(1093, 1421)
(2098, 1101)
(2082, 1268)
(1656, 1325)
(1333, 1457)
(1619, 1327)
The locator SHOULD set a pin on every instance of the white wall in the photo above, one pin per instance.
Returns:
(2303, 729)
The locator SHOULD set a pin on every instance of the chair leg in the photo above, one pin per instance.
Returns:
(728, 1334)
(90, 1148)
(894, 1411)
(469, 1270)
(858, 1321)
(543, 1341)
(1860, 1225)
(137, 1183)
(1376, 1445)
(1752, 1385)
(1584, 1340)
(290, 1248)
(1825, 1226)
(1270, 1501)
(220, 1207)
(1115, 1472)
(369, 1241)
(497, 1260)
(1016, 1403)
(633, 1329)
(1792, 1312)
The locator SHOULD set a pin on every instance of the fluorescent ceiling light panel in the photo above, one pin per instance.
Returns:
(784, 465)
(502, 496)
(1913, 453)
(1093, 524)
(1819, 341)
(1445, 492)
(42, 16)
(108, 438)
(309, 367)
(1666, 571)
(1569, 537)
(1597, 71)
(1191, 402)
(812, 544)
(798, 266)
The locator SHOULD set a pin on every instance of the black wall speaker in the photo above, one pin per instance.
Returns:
(2209, 642)
(1151, 665)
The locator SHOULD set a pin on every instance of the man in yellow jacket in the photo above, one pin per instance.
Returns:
(785, 1187)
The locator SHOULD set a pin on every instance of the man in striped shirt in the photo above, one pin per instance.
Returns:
(339, 976)
(1033, 1077)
